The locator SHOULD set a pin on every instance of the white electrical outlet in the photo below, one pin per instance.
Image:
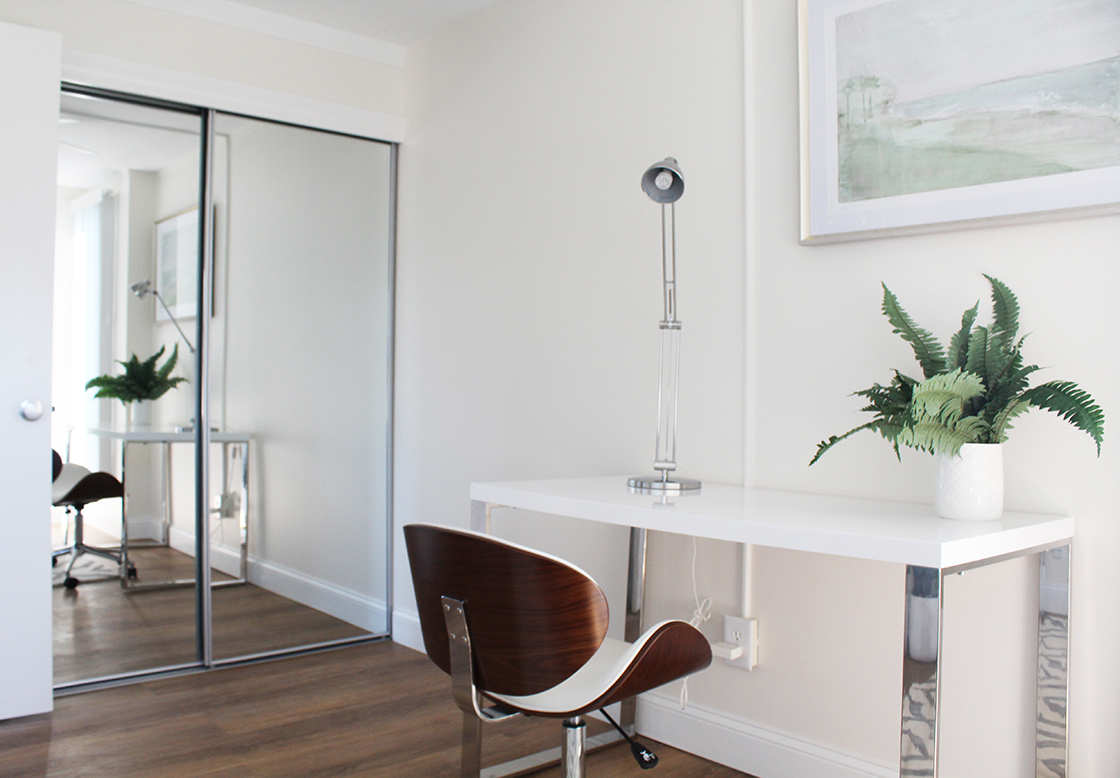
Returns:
(742, 632)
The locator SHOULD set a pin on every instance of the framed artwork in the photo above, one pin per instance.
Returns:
(177, 265)
(919, 115)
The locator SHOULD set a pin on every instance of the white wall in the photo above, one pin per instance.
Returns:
(528, 296)
(816, 334)
(529, 282)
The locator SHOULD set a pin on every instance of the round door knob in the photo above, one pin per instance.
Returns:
(31, 410)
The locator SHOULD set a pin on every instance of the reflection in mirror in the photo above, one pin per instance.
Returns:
(122, 170)
(299, 363)
(300, 349)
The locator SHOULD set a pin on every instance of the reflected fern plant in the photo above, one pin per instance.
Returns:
(970, 392)
(141, 380)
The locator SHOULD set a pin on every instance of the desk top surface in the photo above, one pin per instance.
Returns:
(909, 533)
(157, 435)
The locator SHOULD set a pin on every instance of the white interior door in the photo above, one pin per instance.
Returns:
(30, 65)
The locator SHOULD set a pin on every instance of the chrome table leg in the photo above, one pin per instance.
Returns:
(921, 672)
(1051, 743)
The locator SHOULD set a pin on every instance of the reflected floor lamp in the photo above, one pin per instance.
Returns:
(142, 288)
(664, 184)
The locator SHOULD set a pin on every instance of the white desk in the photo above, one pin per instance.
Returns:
(238, 441)
(904, 533)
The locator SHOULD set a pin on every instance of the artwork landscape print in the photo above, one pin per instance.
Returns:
(928, 111)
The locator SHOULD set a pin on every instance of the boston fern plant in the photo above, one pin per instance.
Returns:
(969, 393)
(141, 380)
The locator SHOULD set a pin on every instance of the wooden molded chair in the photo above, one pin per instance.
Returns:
(521, 632)
(74, 487)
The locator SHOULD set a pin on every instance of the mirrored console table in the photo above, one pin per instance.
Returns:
(234, 493)
(903, 533)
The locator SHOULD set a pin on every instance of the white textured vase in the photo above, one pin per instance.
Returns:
(970, 484)
(140, 415)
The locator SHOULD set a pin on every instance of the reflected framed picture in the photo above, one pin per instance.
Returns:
(177, 265)
(920, 115)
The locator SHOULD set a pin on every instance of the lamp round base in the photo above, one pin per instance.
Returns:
(656, 484)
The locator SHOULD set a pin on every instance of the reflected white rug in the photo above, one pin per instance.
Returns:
(1051, 724)
(87, 569)
(919, 703)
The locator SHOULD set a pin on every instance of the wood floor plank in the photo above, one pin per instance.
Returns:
(100, 630)
(376, 711)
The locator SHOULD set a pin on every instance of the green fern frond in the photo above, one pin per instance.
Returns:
(940, 439)
(927, 349)
(1007, 386)
(997, 433)
(978, 352)
(1005, 309)
(825, 445)
(958, 344)
(972, 392)
(141, 380)
(1071, 403)
(938, 423)
(943, 397)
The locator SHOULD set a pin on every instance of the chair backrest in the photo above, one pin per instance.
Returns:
(533, 619)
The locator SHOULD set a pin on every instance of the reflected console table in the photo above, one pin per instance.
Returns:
(903, 533)
(235, 492)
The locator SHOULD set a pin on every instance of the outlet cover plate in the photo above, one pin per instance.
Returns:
(742, 632)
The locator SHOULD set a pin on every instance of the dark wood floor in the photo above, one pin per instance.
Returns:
(100, 630)
(375, 710)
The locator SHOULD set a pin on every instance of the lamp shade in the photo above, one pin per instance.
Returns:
(663, 181)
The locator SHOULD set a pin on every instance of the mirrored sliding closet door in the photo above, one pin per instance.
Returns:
(242, 271)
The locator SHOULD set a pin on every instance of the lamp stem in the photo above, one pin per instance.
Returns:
(669, 260)
(172, 317)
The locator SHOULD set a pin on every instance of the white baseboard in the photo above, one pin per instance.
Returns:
(365, 612)
(139, 527)
(145, 528)
(224, 559)
(406, 629)
(736, 743)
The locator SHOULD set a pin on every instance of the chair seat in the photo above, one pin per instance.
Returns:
(77, 485)
(610, 675)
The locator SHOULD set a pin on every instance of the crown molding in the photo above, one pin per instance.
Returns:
(287, 28)
(123, 75)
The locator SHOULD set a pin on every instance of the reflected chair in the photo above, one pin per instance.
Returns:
(74, 487)
(521, 632)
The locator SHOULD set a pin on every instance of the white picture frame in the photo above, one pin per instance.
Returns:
(177, 265)
(986, 111)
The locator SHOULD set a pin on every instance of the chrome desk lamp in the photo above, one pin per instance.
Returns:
(141, 288)
(664, 184)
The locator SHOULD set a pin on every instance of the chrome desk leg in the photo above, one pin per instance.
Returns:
(1051, 744)
(242, 450)
(480, 516)
(921, 672)
(635, 598)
